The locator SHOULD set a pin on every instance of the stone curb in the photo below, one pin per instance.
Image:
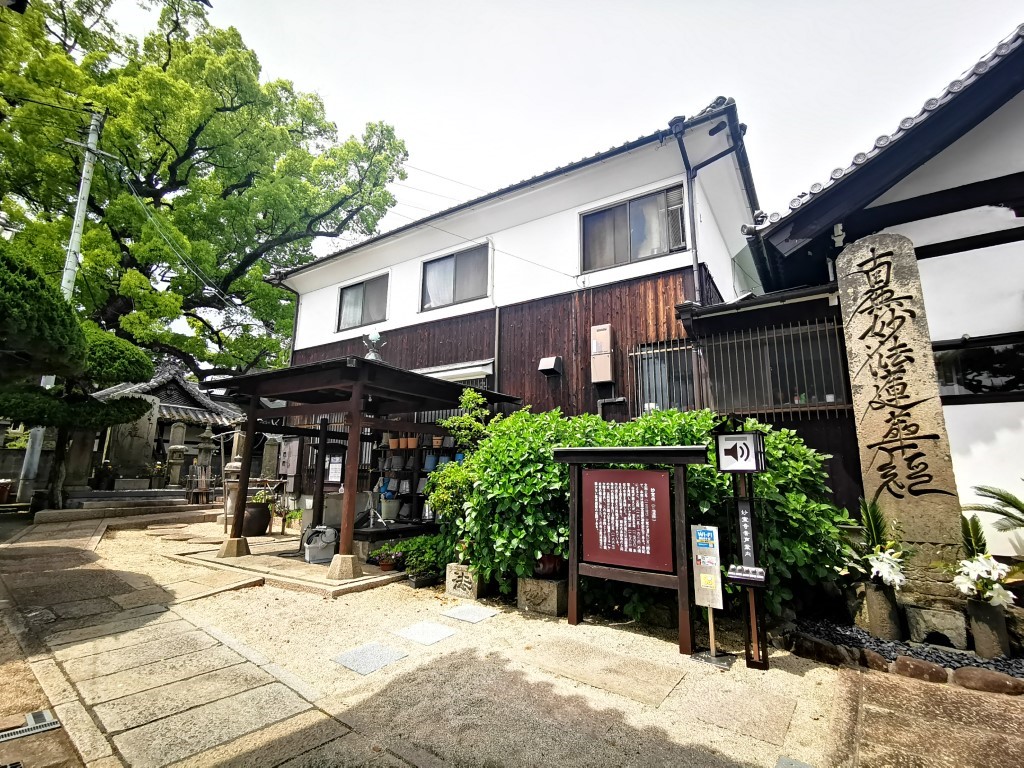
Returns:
(971, 678)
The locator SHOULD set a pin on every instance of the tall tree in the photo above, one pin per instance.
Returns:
(219, 179)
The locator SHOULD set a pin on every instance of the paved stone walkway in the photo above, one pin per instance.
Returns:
(138, 677)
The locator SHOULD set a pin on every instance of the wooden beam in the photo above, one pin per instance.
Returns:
(306, 409)
(276, 429)
(348, 499)
(318, 483)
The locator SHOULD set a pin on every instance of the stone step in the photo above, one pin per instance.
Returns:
(96, 513)
(115, 503)
(144, 493)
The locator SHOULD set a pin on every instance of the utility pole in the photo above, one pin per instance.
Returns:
(30, 465)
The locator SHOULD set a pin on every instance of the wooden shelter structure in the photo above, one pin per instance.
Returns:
(373, 396)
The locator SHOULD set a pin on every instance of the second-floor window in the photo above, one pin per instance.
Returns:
(647, 226)
(455, 278)
(363, 303)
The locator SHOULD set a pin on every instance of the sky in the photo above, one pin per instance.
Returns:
(488, 93)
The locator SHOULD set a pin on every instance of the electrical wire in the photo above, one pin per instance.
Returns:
(428, 192)
(10, 97)
(438, 175)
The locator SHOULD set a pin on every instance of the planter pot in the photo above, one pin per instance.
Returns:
(389, 509)
(408, 442)
(394, 443)
(988, 626)
(437, 441)
(883, 611)
(386, 566)
(420, 580)
(257, 518)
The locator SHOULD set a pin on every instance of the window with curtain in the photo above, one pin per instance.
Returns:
(455, 278)
(363, 303)
(648, 226)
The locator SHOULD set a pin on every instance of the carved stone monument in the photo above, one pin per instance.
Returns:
(904, 449)
(206, 446)
(79, 462)
(271, 449)
(131, 445)
(176, 454)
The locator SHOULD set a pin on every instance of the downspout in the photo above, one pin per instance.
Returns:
(279, 283)
(678, 126)
(496, 385)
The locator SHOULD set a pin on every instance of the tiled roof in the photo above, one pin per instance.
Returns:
(907, 125)
(191, 415)
(217, 413)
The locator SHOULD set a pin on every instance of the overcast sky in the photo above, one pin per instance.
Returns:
(488, 93)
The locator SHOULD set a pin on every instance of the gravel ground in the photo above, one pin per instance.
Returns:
(481, 697)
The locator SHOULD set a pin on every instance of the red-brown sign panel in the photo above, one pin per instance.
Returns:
(627, 518)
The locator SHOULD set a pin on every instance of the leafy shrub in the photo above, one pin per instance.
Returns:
(426, 555)
(448, 490)
(518, 506)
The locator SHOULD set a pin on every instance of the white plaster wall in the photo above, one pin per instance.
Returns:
(993, 149)
(534, 240)
(987, 443)
(976, 292)
(958, 225)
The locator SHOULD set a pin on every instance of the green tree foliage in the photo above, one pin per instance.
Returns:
(112, 360)
(220, 179)
(39, 333)
(515, 498)
(1008, 507)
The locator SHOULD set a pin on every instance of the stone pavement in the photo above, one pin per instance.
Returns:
(141, 677)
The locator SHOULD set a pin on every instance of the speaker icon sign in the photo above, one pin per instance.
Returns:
(740, 452)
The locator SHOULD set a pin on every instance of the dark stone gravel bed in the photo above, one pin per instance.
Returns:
(855, 637)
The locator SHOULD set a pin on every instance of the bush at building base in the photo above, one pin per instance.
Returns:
(509, 503)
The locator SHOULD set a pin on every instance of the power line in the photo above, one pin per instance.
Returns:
(428, 192)
(79, 110)
(453, 181)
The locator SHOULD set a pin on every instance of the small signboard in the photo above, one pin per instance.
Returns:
(334, 468)
(627, 518)
(707, 560)
(740, 452)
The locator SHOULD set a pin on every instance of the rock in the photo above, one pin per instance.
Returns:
(460, 582)
(873, 660)
(919, 670)
(545, 596)
(986, 680)
(928, 625)
(819, 650)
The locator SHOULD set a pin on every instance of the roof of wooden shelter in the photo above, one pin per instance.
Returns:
(386, 388)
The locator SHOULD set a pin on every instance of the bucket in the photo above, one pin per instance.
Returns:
(389, 509)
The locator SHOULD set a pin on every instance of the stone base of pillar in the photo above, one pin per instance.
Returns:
(344, 567)
(234, 548)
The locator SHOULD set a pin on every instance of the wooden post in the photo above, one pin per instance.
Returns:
(575, 607)
(352, 454)
(684, 573)
(242, 494)
(318, 480)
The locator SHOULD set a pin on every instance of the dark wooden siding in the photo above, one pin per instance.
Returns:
(639, 310)
(442, 342)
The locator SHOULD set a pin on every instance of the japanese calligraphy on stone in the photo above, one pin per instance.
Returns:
(627, 518)
(900, 427)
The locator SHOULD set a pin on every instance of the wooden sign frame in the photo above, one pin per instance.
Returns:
(681, 579)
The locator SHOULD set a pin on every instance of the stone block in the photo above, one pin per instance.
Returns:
(344, 567)
(233, 548)
(919, 670)
(460, 582)
(819, 650)
(873, 660)
(544, 596)
(988, 680)
(939, 627)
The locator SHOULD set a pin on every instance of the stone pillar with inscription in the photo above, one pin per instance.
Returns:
(176, 455)
(904, 449)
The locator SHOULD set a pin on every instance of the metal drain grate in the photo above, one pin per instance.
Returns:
(35, 722)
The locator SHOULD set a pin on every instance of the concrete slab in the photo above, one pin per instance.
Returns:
(125, 624)
(425, 632)
(180, 589)
(155, 703)
(220, 578)
(136, 656)
(350, 750)
(163, 672)
(369, 658)
(474, 614)
(64, 625)
(305, 689)
(736, 707)
(271, 745)
(57, 587)
(56, 687)
(160, 743)
(87, 738)
(164, 632)
(238, 646)
(636, 679)
(151, 596)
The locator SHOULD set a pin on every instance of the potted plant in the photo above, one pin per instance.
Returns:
(981, 577)
(882, 559)
(426, 558)
(258, 513)
(387, 557)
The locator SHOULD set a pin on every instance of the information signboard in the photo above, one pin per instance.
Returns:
(627, 519)
(707, 561)
(334, 468)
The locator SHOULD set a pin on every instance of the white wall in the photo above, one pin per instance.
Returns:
(534, 241)
(993, 149)
(987, 443)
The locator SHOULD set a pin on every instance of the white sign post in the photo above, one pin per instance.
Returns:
(707, 578)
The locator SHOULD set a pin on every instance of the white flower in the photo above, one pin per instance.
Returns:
(999, 596)
(887, 566)
(974, 569)
(964, 583)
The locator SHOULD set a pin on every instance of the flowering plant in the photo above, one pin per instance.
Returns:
(879, 555)
(981, 577)
(887, 566)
